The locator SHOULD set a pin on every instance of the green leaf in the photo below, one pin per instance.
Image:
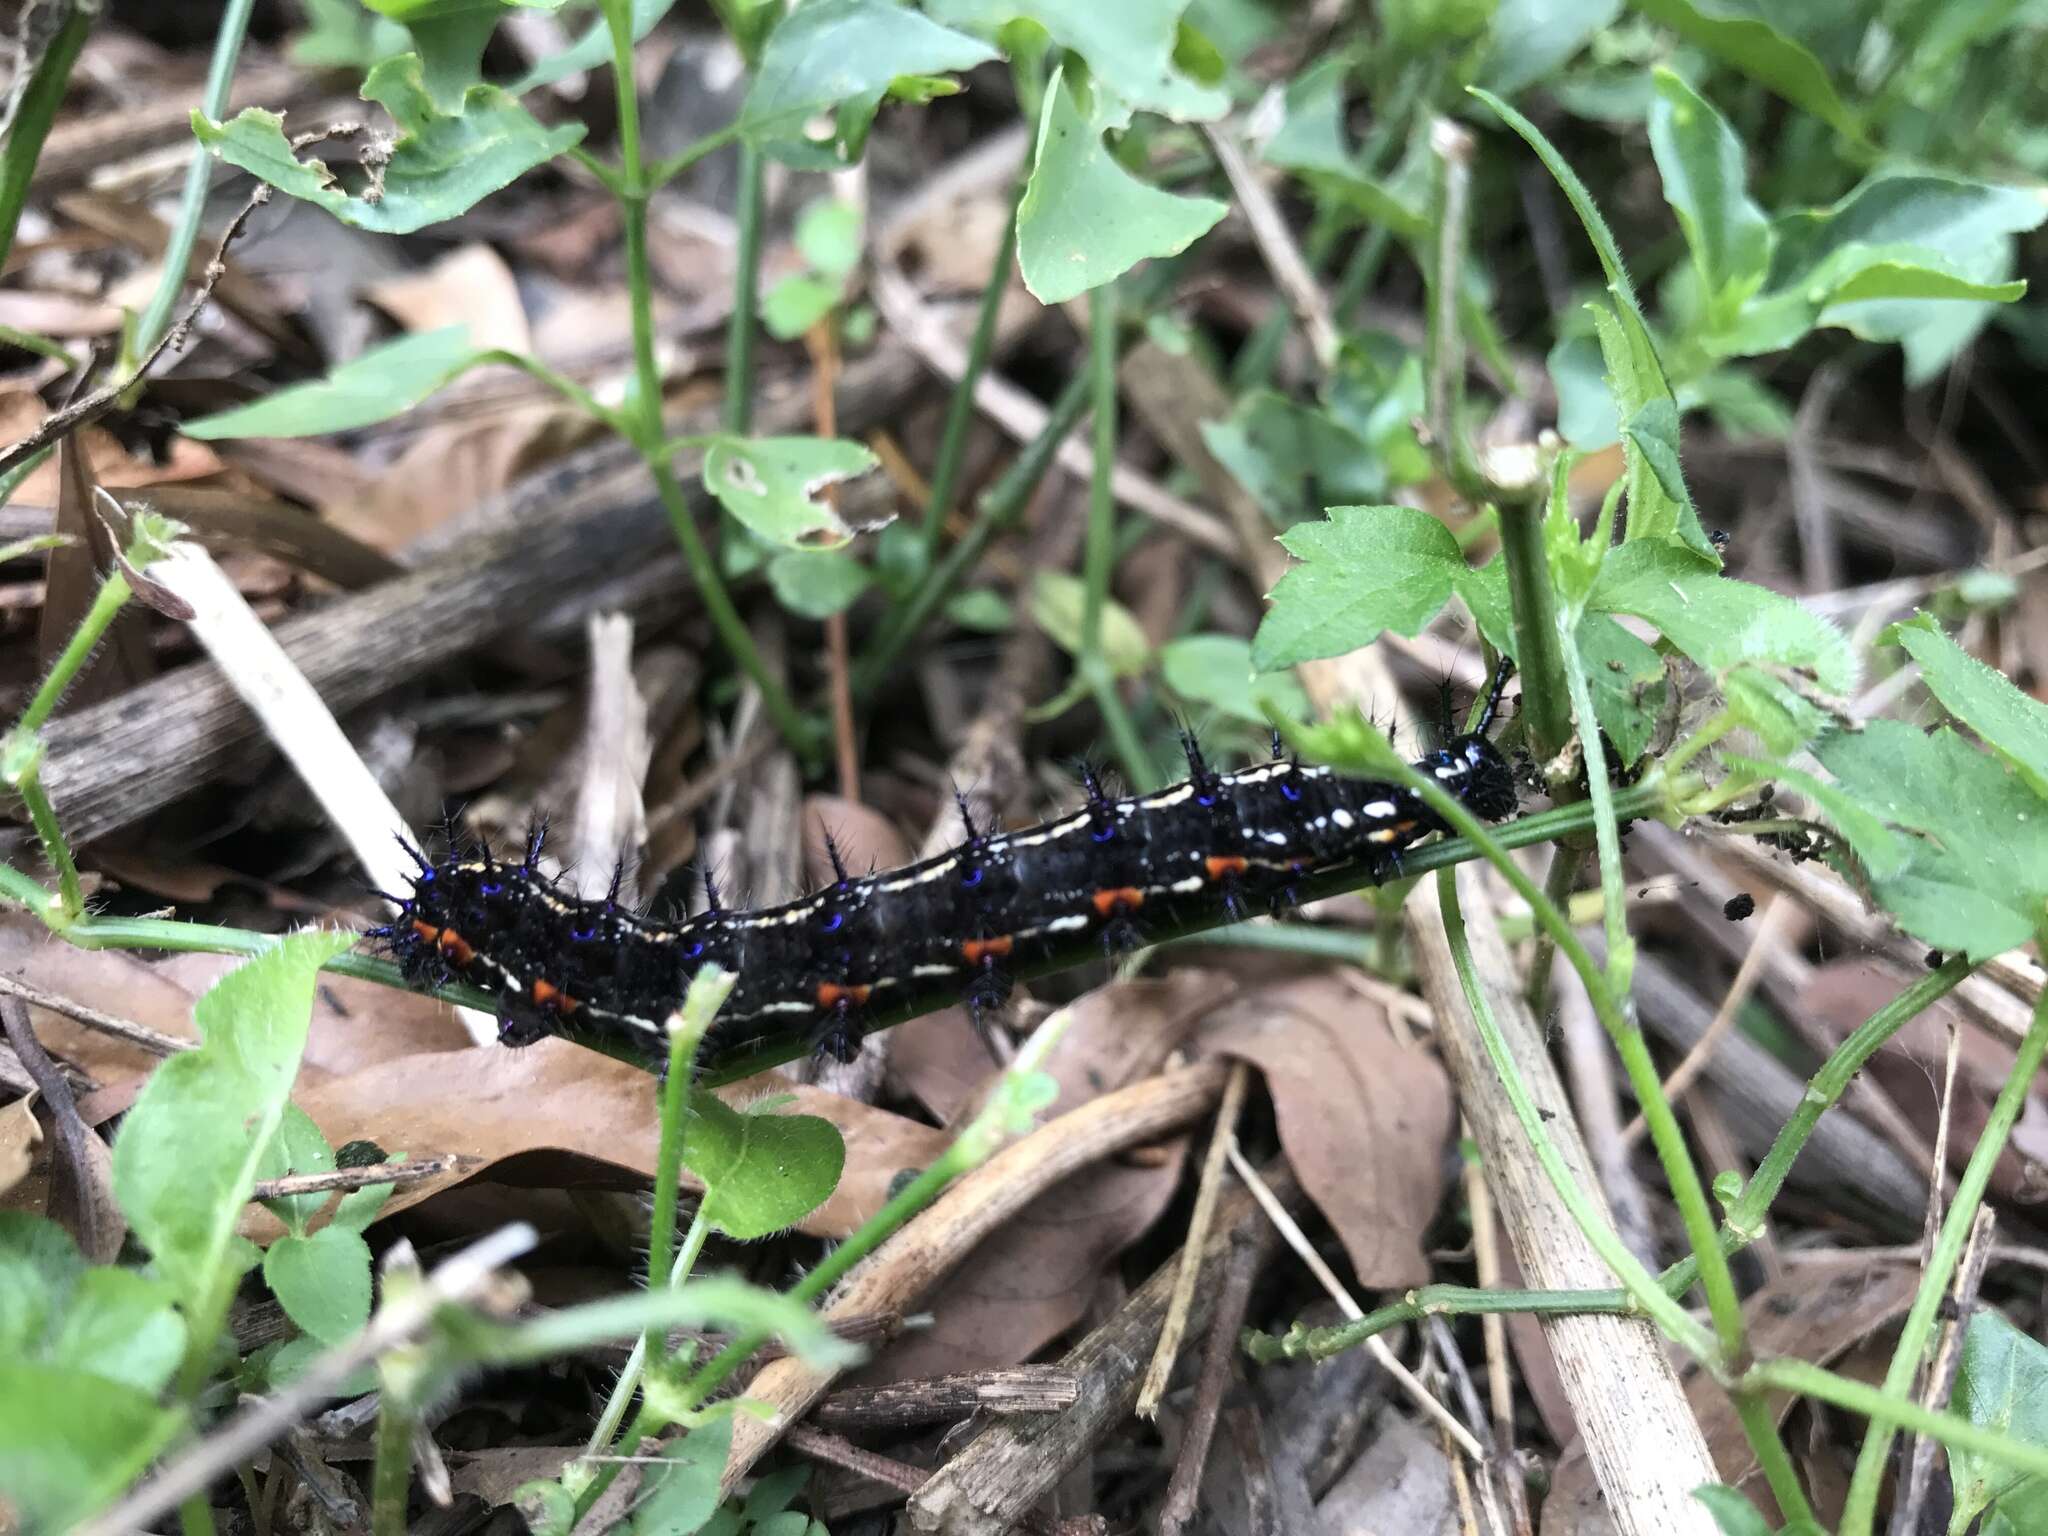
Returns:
(762, 1173)
(2002, 1385)
(122, 1325)
(1653, 433)
(1975, 879)
(2012, 724)
(1626, 676)
(772, 485)
(1528, 39)
(1763, 53)
(298, 1147)
(1312, 136)
(1717, 621)
(684, 1482)
(1365, 570)
(815, 584)
(384, 382)
(40, 1269)
(1217, 670)
(828, 236)
(1586, 414)
(450, 37)
(590, 51)
(1882, 853)
(1774, 709)
(1085, 220)
(1057, 602)
(441, 165)
(797, 303)
(1294, 459)
(981, 609)
(1706, 183)
(833, 51)
(1131, 46)
(340, 35)
(1733, 1514)
(188, 1152)
(323, 1281)
(70, 1441)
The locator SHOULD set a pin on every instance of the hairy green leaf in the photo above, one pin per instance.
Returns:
(762, 1172)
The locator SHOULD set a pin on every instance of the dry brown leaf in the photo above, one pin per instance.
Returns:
(492, 1104)
(1817, 1311)
(1912, 1065)
(1364, 1118)
(20, 1135)
(469, 286)
(1033, 1280)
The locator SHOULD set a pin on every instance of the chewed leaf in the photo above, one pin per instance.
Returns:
(1085, 220)
(774, 486)
(441, 165)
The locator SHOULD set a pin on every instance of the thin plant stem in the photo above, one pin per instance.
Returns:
(708, 991)
(220, 79)
(1300, 1343)
(952, 452)
(1099, 554)
(739, 331)
(972, 1147)
(1545, 711)
(998, 510)
(1890, 1412)
(391, 1483)
(628, 1384)
(113, 594)
(1860, 1507)
(1558, 884)
(33, 115)
(1641, 1285)
(50, 833)
(663, 171)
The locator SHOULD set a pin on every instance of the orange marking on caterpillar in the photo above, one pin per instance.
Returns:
(547, 995)
(978, 950)
(832, 995)
(1122, 899)
(447, 940)
(1392, 833)
(1224, 864)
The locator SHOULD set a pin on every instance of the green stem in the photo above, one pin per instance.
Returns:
(708, 991)
(391, 1483)
(1888, 1411)
(796, 727)
(739, 331)
(627, 1386)
(664, 171)
(1600, 1235)
(999, 508)
(1859, 1509)
(1545, 708)
(1753, 1410)
(114, 592)
(220, 79)
(195, 1516)
(1100, 552)
(1685, 751)
(50, 833)
(567, 387)
(33, 115)
(952, 452)
(1558, 884)
(1300, 1343)
(1617, 1010)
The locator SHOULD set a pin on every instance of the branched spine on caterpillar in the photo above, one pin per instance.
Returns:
(959, 927)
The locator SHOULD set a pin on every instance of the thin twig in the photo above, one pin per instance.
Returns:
(1276, 244)
(1948, 1360)
(359, 1178)
(836, 1451)
(91, 407)
(1175, 1327)
(823, 341)
(1296, 1239)
(141, 1035)
(1219, 1358)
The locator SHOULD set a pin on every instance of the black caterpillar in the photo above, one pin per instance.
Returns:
(876, 949)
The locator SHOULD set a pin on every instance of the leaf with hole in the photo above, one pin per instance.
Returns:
(774, 486)
(441, 164)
